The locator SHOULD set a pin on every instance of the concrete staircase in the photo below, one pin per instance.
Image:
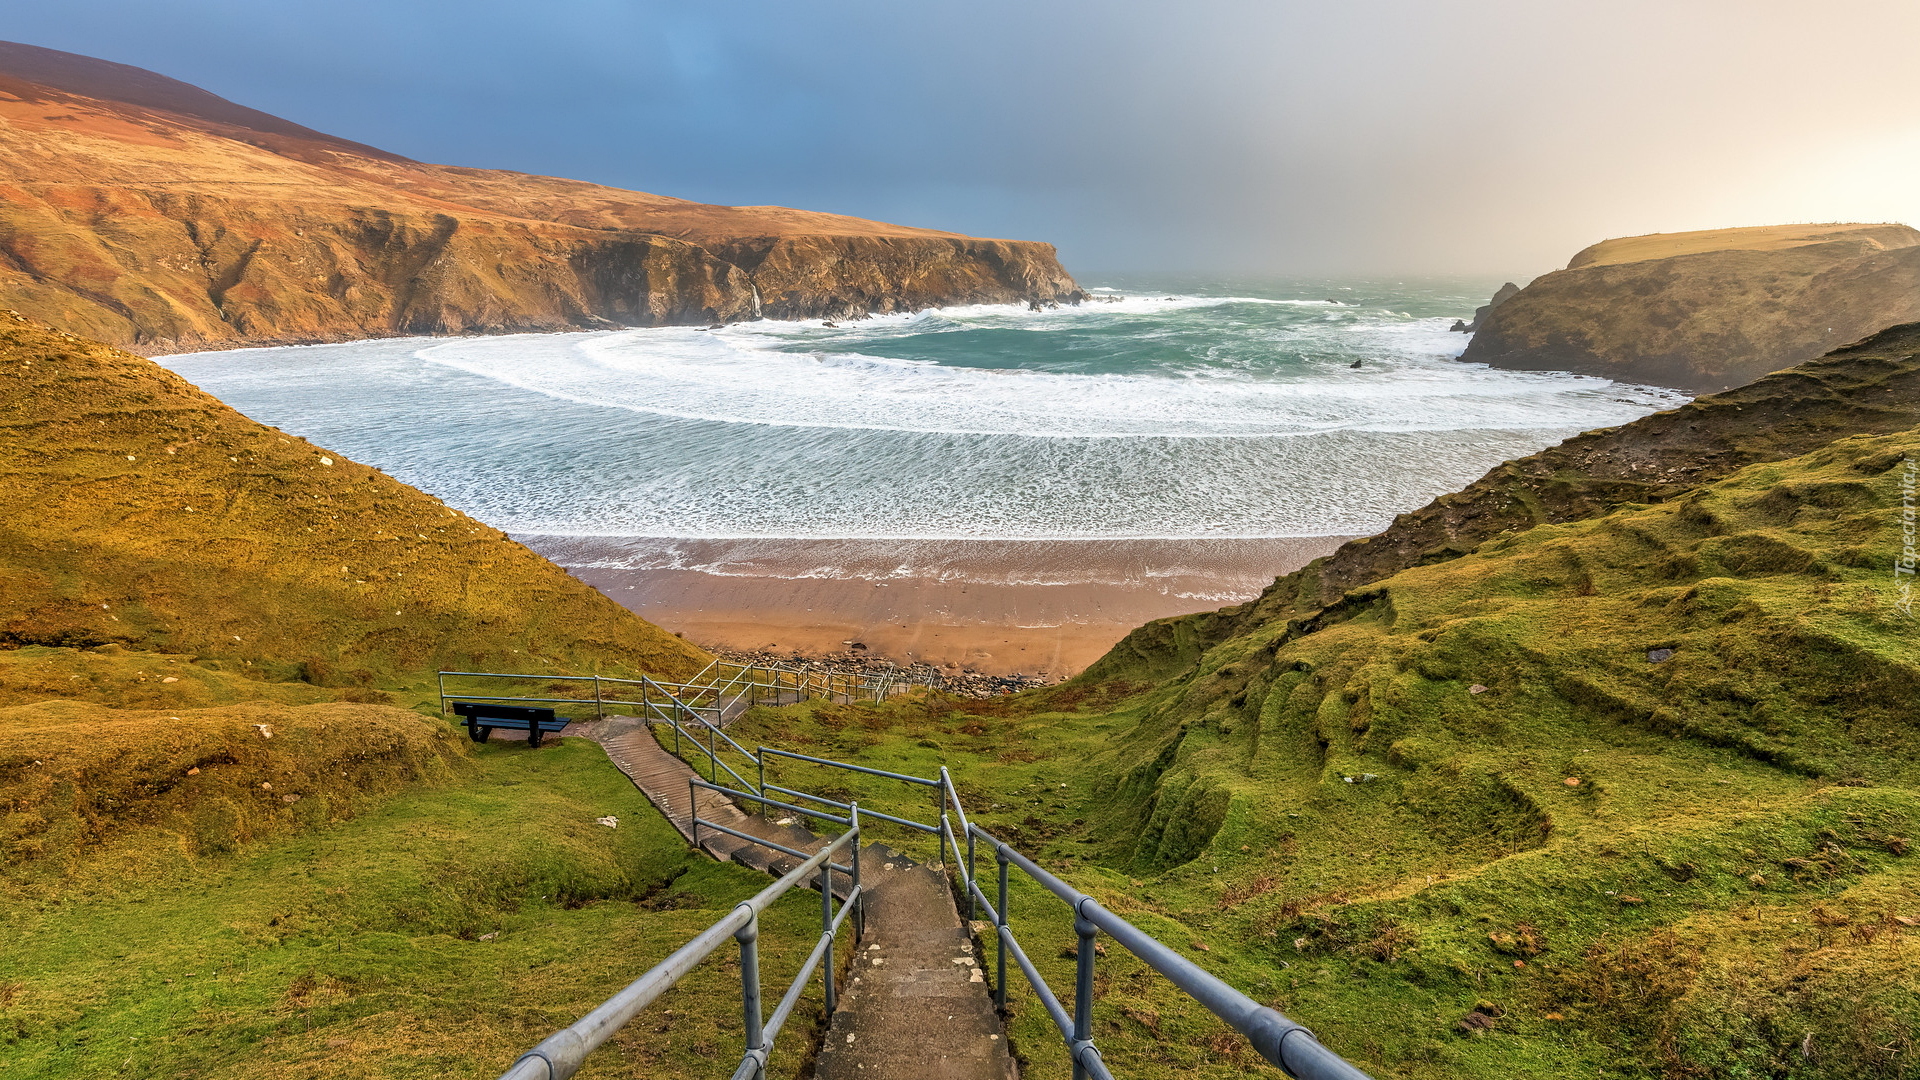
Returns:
(914, 1004)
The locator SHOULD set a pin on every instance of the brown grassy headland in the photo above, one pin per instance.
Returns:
(1707, 310)
(148, 213)
(1629, 249)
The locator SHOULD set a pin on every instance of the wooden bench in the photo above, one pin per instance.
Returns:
(482, 718)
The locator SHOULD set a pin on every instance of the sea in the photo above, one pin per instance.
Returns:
(1165, 408)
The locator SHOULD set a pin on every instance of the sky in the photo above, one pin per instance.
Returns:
(1474, 137)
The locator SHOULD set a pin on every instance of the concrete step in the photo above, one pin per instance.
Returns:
(915, 1004)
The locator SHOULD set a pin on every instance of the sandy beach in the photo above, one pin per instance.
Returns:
(995, 606)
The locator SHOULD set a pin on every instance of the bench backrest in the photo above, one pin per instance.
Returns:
(480, 710)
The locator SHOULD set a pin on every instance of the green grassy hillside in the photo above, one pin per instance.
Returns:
(1699, 860)
(145, 513)
(1632, 796)
(397, 904)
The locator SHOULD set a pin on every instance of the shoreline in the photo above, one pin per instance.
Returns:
(1043, 608)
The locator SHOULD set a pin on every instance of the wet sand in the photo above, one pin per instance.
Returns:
(996, 606)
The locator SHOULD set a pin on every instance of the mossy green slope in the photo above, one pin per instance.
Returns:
(1871, 386)
(1487, 779)
(143, 512)
(95, 795)
(460, 917)
(1475, 820)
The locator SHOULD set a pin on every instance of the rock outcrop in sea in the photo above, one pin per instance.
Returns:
(1706, 311)
(1501, 295)
(153, 215)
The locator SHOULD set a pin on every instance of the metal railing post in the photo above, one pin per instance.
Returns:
(1000, 937)
(859, 895)
(599, 707)
(973, 906)
(826, 927)
(762, 762)
(749, 938)
(940, 809)
(442, 676)
(1082, 993)
(693, 808)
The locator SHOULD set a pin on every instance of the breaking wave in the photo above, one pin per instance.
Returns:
(1162, 414)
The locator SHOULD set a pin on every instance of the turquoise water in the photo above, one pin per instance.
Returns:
(1166, 408)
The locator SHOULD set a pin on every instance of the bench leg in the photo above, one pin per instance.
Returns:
(482, 734)
(533, 736)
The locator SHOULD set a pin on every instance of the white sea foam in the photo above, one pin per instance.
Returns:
(751, 375)
(1208, 417)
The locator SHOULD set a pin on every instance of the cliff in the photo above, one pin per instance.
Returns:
(1706, 311)
(150, 214)
(144, 513)
(1869, 387)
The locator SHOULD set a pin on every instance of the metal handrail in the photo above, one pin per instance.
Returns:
(560, 1055)
(821, 815)
(716, 729)
(682, 695)
(713, 759)
(770, 751)
(864, 812)
(825, 682)
(1282, 1041)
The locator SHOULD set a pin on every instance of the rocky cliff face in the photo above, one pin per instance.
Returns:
(150, 214)
(1709, 310)
(1500, 296)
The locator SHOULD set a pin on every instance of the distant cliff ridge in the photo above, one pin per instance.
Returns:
(146, 212)
(1706, 311)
